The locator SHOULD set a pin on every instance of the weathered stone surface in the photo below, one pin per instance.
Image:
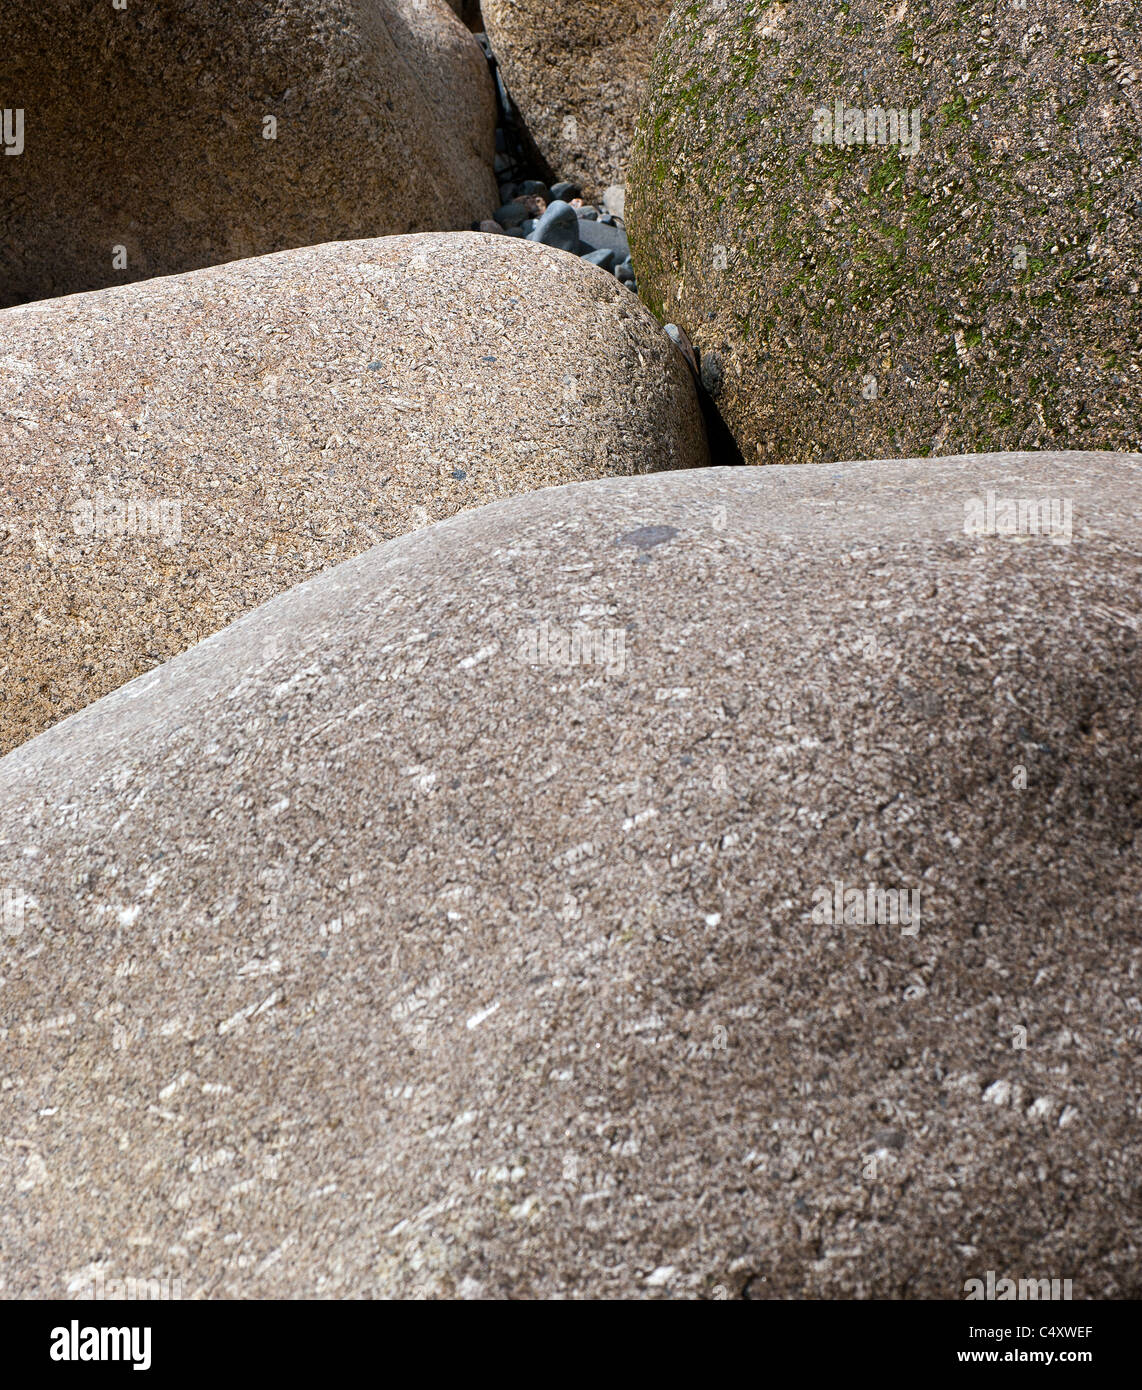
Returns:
(371, 947)
(576, 73)
(145, 133)
(174, 453)
(981, 292)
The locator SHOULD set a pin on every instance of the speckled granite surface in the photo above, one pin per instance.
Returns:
(175, 134)
(176, 452)
(578, 73)
(458, 922)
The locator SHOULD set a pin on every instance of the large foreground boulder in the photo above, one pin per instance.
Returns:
(465, 921)
(577, 73)
(174, 453)
(167, 136)
(900, 229)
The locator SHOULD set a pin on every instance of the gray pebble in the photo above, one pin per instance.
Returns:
(712, 373)
(532, 188)
(597, 234)
(589, 212)
(615, 199)
(604, 258)
(564, 192)
(558, 227)
(511, 214)
(681, 339)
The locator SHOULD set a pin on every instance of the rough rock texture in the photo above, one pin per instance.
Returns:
(576, 73)
(371, 947)
(980, 293)
(176, 452)
(145, 129)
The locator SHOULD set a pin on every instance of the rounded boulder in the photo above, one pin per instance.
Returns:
(900, 230)
(163, 137)
(176, 452)
(716, 884)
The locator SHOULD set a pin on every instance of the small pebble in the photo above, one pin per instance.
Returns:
(598, 233)
(712, 374)
(604, 258)
(557, 216)
(511, 214)
(681, 340)
(615, 200)
(558, 227)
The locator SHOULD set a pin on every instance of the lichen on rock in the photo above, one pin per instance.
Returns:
(872, 289)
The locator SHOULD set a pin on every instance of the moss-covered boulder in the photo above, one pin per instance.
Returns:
(900, 229)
